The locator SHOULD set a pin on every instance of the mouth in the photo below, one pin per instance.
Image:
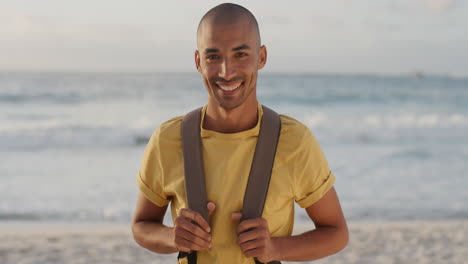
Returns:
(229, 88)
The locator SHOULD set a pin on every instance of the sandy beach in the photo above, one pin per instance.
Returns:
(371, 242)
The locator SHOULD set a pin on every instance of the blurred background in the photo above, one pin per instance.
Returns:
(383, 85)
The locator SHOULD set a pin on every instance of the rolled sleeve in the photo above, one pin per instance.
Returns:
(150, 194)
(312, 175)
(150, 176)
(315, 195)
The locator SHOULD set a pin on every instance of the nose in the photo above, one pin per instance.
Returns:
(227, 70)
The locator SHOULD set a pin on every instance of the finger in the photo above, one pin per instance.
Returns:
(196, 217)
(183, 249)
(236, 216)
(182, 223)
(253, 244)
(256, 233)
(185, 244)
(195, 240)
(250, 223)
(211, 208)
(253, 253)
(180, 247)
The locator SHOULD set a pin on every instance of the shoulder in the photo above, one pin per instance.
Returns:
(296, 139)
(167, 132)
(171, 128)
(293, 129)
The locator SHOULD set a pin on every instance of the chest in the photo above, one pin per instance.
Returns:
(227, 166)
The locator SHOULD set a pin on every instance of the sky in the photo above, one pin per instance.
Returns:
(333, 36)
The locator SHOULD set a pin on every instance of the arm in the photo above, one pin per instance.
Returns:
(191, 232)
(148, 229)
(329, 237)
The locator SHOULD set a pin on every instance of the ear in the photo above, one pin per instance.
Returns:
(262, 57)
(197, 61)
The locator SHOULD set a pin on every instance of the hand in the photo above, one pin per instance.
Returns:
(191, 230)
(254, 238)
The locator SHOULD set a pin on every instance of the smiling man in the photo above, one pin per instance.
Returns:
(228, 57)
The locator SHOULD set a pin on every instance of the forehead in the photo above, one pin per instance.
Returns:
(226, 35)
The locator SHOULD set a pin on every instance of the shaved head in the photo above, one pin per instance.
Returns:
(228, 56)
(227, 13)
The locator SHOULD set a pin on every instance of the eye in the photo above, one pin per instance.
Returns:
(241, 54)
(212, 57)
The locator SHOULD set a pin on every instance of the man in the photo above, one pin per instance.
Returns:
(228, 57)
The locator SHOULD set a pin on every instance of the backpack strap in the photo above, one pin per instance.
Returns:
(195, 187)
(260, 171)
(262, 165)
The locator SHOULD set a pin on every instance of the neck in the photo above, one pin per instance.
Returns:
(241, 118)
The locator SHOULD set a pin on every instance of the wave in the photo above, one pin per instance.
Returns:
(399, 214)
(124, 216)
(43, 133)
(390, 121)
(76, 216)
(39, 132)
(71, 98)
(415, 153)
(39, 124)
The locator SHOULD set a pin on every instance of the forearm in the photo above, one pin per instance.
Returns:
(312, 245)
(154, 236)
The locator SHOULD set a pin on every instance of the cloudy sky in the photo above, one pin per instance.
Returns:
(333, 36)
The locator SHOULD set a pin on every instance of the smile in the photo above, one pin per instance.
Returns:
(229, 86)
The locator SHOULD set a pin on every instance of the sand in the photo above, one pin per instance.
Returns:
(370, 242)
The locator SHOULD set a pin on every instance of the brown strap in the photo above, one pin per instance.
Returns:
(195, 187)
(260, 171)
(262, 165)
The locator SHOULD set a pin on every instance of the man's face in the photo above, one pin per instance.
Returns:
(228, 57)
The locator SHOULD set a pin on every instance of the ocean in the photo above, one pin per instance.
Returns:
(71, 143)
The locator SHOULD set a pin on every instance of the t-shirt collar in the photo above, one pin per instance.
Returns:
(253, 132)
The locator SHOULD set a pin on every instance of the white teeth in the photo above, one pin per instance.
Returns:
(229, 87)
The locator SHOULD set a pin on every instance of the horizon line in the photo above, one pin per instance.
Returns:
(416, 74)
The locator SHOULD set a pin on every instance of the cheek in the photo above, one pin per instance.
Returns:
(253, 78)
(249, 66)
(209, 70)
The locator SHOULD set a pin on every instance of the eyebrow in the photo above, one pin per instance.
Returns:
(241, 47)
(211, 50)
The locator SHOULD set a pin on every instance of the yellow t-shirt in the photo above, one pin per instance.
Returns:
(300, 173)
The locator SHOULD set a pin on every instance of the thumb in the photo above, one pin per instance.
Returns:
(236, 216)
(211, 208)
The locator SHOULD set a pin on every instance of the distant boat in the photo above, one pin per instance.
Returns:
(141, 140)
(418, 74)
